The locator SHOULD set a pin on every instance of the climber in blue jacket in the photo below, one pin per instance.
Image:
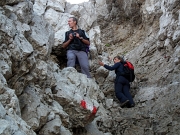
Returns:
(122, 85)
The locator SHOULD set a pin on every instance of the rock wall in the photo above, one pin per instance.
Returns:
(36, 96)
(153, 47)
(40, 96)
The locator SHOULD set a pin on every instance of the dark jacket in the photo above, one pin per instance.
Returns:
(118, 67)
(76, 43)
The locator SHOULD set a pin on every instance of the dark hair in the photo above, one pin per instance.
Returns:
(119, 57)
(74, 19)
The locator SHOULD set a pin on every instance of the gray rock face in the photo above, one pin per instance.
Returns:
(9, 2)
(38, 95)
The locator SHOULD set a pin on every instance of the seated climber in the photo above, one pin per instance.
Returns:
(122, 85)
(76, 42)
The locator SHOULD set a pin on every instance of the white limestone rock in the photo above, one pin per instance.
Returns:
(51, 127)
(39, 7)
(64, 131)
(34, 112)
(58, 5)
(109, 103)
(41, 37)
(77, 94)
(7, 25)
(2, 111)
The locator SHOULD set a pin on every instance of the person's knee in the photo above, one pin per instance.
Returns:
(71, 62)
(71, 57)
(117, 93)
(85, 67)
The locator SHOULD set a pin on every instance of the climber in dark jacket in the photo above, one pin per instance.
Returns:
(122, 85)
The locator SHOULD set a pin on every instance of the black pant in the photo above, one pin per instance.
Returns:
(122, 87)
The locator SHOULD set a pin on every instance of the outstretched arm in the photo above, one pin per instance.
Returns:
(115, 66)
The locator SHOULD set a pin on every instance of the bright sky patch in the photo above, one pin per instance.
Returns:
(76, 1)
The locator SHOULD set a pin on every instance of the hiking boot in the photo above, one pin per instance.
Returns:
(124, 103)
(132, 105)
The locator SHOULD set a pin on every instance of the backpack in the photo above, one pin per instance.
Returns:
(129, 71)
(87, 46)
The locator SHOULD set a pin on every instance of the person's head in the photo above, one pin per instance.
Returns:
(118, 59)
(72, 22)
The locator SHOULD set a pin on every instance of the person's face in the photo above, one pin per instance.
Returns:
(71, 23)
(116, 60)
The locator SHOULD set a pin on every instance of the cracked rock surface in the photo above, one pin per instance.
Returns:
(39, 95)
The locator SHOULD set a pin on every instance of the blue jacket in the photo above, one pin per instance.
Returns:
(118, 67)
